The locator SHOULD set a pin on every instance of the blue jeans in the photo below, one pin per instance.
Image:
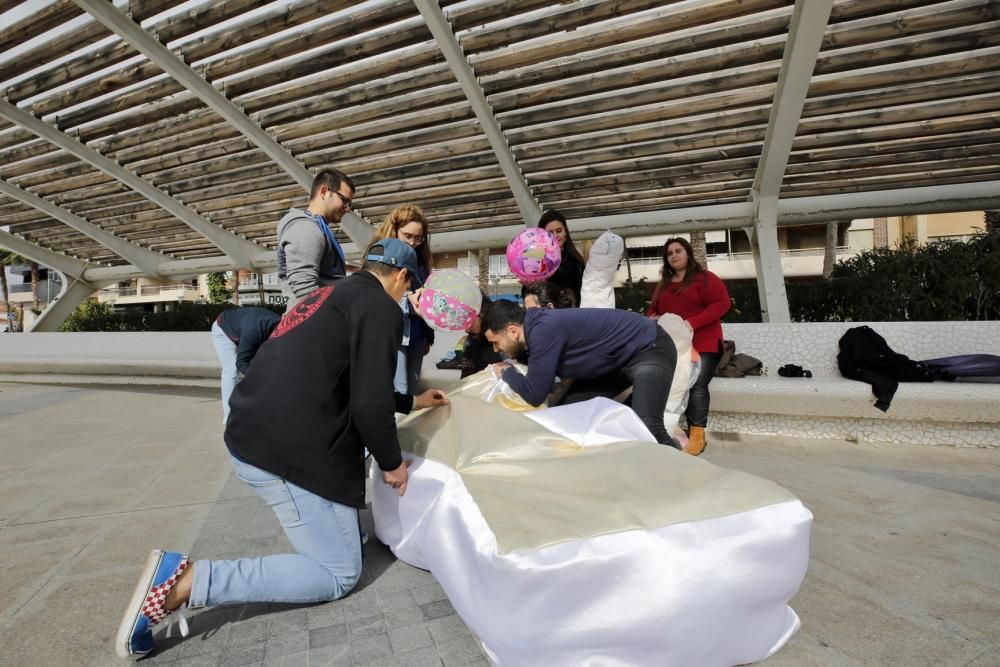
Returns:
(408, 365)
(225, 349)
(324, 533)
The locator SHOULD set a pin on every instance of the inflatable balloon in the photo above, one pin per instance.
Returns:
(450, 300)
(533, 255)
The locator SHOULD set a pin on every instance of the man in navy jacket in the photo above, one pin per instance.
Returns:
(237, 335)
(603, 350)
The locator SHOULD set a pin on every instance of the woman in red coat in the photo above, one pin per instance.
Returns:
(699, 296)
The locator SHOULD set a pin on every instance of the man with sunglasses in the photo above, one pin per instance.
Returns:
(309, 255)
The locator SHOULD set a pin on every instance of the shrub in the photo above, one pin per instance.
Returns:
(184, 316)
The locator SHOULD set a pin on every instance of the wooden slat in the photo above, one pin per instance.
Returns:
(734, 169)
(552, 21)
(646, 24)
(911, 179)
(67, 42)
(938, 141)
(171, 28)
(882, 133)
(38, 23)
(920, 91)
(862, 170)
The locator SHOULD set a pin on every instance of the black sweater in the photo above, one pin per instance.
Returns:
(569, 275)
(321, 391)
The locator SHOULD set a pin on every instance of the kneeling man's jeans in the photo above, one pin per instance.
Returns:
(324, 533)
(650, 373)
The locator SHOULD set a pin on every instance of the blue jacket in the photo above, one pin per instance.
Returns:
(580, 343)
(248, 327)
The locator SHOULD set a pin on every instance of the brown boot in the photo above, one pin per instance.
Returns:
(696, 441)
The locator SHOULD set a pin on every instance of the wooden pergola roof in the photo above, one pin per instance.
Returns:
(481, 112)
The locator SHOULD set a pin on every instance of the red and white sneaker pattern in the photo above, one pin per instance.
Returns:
(154, 608)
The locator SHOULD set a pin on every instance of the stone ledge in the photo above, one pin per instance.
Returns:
(861, 430)
(840, 397)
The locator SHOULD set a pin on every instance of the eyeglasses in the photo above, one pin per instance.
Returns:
(412, 238)
(347, 200)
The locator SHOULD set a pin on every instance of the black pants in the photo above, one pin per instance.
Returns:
(698, 397)
(649, 373)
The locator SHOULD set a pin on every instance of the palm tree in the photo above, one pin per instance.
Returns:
(6, 259)
(830, 250)
(992, 219)
(484, 269)
(700, 251)
(836, 237)
(35, 303)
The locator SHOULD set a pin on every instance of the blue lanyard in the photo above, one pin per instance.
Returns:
(328, 233)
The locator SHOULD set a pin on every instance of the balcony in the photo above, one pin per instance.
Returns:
(739, 265)
(21, 292)
(166, 293)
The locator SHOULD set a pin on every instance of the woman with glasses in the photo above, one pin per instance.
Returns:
(407, 223)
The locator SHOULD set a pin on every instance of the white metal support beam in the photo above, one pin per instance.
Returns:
(950, 198)
(64, 264)
(767, 262)
(239, 249)
(448, 43)
(74, 292)
(805, 37)
(791, 212)
(124, 26)
(74, 288)
(146, 260)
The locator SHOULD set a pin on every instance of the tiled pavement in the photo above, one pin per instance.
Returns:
(397, 615)
(902, 570)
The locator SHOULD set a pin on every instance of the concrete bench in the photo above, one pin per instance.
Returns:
(830, 406)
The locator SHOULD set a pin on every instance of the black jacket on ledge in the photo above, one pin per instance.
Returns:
(321, 390)
(865, 356)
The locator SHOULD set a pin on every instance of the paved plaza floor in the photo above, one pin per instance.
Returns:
(904, 567)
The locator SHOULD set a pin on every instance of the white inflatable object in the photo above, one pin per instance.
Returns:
(598, 289)
(566, 536)
(685, 372)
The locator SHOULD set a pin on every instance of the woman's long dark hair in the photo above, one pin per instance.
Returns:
(692, 269)
(552, 215)
(549, 293)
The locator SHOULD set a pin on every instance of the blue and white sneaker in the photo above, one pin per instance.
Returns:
(147, 608)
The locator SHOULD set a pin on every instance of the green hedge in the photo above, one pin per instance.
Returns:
(943, 280)
(184, 316)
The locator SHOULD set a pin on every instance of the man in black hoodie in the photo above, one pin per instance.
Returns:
(320, 392)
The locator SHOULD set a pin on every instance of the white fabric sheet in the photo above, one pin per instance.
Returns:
(705, 593)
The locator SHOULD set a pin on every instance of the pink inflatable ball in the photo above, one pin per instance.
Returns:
(450, 300)
(533, 255)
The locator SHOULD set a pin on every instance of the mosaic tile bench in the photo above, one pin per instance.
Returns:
(830, 406)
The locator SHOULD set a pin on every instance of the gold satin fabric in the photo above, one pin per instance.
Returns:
(536, 488)
(481, 385)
